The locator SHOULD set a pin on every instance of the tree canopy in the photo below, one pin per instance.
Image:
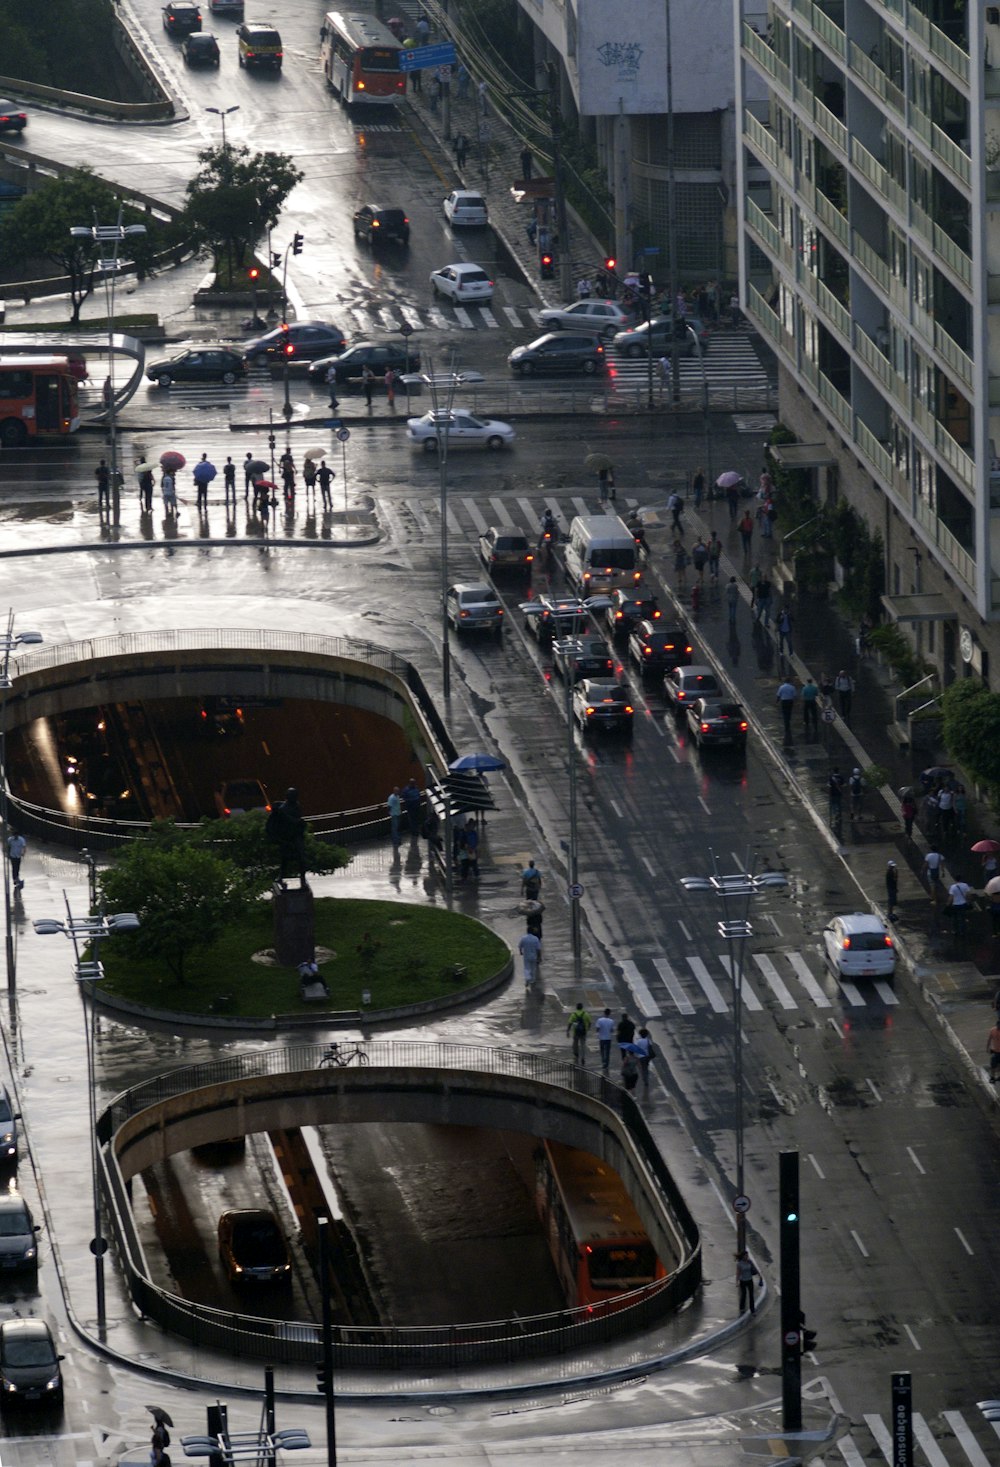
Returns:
(237, 196)
(972, 729)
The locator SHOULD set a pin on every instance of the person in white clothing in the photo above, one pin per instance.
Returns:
(604, 1028)
(530, 948)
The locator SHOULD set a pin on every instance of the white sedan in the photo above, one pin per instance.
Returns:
(464, 282)
(464, 430)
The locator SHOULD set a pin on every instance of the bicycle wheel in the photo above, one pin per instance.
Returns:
(362, 1058)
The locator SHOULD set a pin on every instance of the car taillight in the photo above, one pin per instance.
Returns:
(600, 351)
(359, 84)
(619, 615)
(846, 943)
(629, 708)
(637, 576)
(655, 615)
(590, 711)
(689, 650)
(375, 222)
(647, 651)
(706, 727)
(528, 559)
(743, 726)
(888, 940)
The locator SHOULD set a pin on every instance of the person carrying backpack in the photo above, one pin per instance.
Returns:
(579, 1023)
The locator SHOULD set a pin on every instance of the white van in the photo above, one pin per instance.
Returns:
(601, 554)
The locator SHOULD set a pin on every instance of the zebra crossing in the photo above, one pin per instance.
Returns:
(946, 1440)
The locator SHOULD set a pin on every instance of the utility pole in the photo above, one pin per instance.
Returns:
(562, 219)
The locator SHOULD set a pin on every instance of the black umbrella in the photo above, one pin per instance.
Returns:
(161, 1417)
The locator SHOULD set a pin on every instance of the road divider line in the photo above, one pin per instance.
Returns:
(774, 982)
(913, 1339)
(708, 985)
(860, 1246)
(672, 984)
(816, 1167)
(750, 998)
(645, 1002)
(916, 1160)
(964, 1242)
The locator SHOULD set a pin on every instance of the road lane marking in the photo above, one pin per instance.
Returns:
(816, 1167)
(874, 1091)
(512, 316)
(645, 1002)
(621, 815)
(489, 317)
(808, 982)
(885, 991)
(476, 516)
(853, 995)
(964, 1436)
(438, 319)
(412, 317)
(687, 935)
(861, 1247)
(708, 985)
(964, 1243)
(649, 865)
(704, 805)
(774, 923)
(913, 1339)
(880, 1432)
(774, 982)
(580, 505)
(916, 1160)
(388, 318)
(932, 1451)
(503, 514)
(751, 1000)
(464, 319)
(672, 984)
(850, 1453)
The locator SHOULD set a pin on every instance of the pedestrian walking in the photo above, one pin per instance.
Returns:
(946, 812)
(961, 808)
(844, 686)
(530, 948)
(826, 689)
(675, 504)
(395, 804)
(698, 486)
(288, 474)
(908, 810)
(732, 598)
(309, 472)
(203, 473)
(531, 882)
(625, 1032)
(856, 790)
(390, 387)
(784, 625)
(745, 528)
(533, 914)
(810, 709)
(763, 599)
(248, 475)
(891, 889)
(579, 1023)
(665, 368)
(646, 1055)
(146, 491)
(699, 559)
(412, 800)
(229, 480)
(746, 1273)
(326, 476)
(933, 873)
(16, 847)
(484, 98)
(957, 904)
(786, 695)
(680, 564)
(461, 144)
(422, 29)
(526, 163)
(584, 289)
(765, 487)
(733, 500)
(993, 1050)
(470, 852)
(606, 483)
(168, 490)
(714, 555)
(630, 1070)
(604, 1028)
(368, 385)
(463, 81)
(103, 476)
(835, 794)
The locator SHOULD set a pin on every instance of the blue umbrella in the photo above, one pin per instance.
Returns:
(480, 762)
(628, 1048)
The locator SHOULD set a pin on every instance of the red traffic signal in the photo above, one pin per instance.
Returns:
(610, 264)
(545, 267)
(253, 272)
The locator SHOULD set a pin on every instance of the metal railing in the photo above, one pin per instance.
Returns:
(413, 1347)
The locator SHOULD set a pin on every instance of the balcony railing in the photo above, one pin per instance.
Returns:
(828, 214)
(958, 161)
(831, 126)
(945, 50)
(955, 456)
(956, 553)
(835, 401)
(755, 46)
(871, 261)
(829, 31)
(949, 350)
(869, 165)
(877, 455)
(763, 139)
(834, 310)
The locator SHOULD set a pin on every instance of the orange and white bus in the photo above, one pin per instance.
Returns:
(360, 58)
(39, 399)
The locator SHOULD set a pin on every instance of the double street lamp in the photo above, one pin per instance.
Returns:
(8, 641)
(86, 935)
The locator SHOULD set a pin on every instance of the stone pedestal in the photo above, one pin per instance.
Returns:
(294, 925)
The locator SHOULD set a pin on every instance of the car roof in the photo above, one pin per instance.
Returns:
(696, 672)
(12, 1202)
(487, 591)
(860, 922)
(242, 1214)
(601, 686)
(28, 1328)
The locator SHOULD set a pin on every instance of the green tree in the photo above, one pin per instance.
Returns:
(182, 895)
(972, 729)
(243, 841)
(236, 197)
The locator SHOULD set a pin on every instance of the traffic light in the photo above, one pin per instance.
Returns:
(807, 1337)
(253, 272)
(545, 267)
(609, 265)
(297, 243)
(321, 1382)
(275, 259)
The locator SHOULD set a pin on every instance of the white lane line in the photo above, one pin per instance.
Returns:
(673, 986)
(488, 317)
(475, 515)
(861, 1247)
(850, 1453)
(913, 1339)
(362, 320)
(774, 982)
(704, 805)
(963, 1435)
(580, 505)
(853, 995)
(464, 319)
(708, 985)
(834, 1025)
(536, 315)
(438, 319)
(808, 982)
(531, 514)
(388, 318)
(417, 511)
(872, 1087)
(649, 866)
(454, 527)
(687, 935)
(816, 1167)
(673, 752)
(880, 1432)
(751, 1000)
(645, 1002)
(412, 317)
(931, 1450)
(916, 1160)
(962, 1239)
(512, 315)
(774, 923)
(503, 514)
(885, 991)
(617, 808)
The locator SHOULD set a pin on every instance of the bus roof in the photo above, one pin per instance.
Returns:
(597, 1205)
(361, 29)
(62, 363)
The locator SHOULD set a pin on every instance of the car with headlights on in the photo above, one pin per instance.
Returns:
(713, 723)
(237, 796)
(598, 318)
(253, 1248)
(859, 945)
(379, 356)
(654, 647)
(552, 617)
(601, 705)
(504, 550)
(301, 341)
(627, 609)
(464, 430)
(9, 1118)
(577, 657)
(462, 282)
(377, 225)
(29, 1365)
(18, 1235)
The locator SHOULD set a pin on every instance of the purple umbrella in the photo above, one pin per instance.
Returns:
(729, 479)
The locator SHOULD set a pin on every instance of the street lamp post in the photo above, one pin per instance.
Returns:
(222, 113)
(704, 402)
(108, 265)
(83, 932)
(735, 930)
(8, 641)
(574, 845)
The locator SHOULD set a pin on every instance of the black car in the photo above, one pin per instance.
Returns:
(579, 657)
(558, 351)
(377, 225)
(718, 723)
(303, 341)
(656, 648)
(12, 119)
(9, 1118)
(205, 364)
(253, 1248)
(181, 18)
(627, 609)
(377, 355)
(200, 49)
(29, 1364)
(603, 706)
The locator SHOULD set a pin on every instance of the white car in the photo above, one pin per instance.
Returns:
(462, 283)
(465, 430)
(599, 318)
(464, 208)
(860, 946)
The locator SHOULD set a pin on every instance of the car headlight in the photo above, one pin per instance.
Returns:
(6, 1138)
(30, 1253)
(53, 1384)
(10, 1387)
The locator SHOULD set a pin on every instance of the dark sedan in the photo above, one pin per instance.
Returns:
(12, 119)
(559, 351)
(712, 722)
(181, 18)
(602, 705)
(200, 49)
(303, 341)
(578, 657)
(656, 648)
(635, 341)
(379, 356)
(208, 364)
(627, 609)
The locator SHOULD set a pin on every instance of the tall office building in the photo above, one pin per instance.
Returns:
(869, 189)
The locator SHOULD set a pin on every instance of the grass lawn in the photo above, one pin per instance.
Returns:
(414, 951)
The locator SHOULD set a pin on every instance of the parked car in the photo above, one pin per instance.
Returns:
(253, 1248)
(860, 946)
(578, 657)
(465, 430)
(463, 208)
(654, 647)
(181, 17)
(200, 49)
(12, 119)
(237, 796)
(462, 282)
(376, 225)
(474, 607)
(684, 685)
(378, 355)
(503, 550)
(603, 706)
(9, 1118)
(205, 364)
(714, 723)
(559, 351)
(29, 1365)
(259, 46)
(599, 318)
(627, 609)
(307, 340)
(18, 1234)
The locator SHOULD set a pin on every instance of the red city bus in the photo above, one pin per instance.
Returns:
(360, 59)
(38, 398)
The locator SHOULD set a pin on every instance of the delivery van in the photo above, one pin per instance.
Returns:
(601, 554)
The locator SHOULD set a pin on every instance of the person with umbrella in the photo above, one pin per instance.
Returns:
(729, 483)
(145, 473)
(204, 472)
(988, 850)
(993, 892)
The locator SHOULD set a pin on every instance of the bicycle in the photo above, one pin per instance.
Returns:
(337, 1057)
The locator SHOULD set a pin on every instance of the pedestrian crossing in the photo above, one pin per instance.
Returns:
(950, 1439)
(786, 980)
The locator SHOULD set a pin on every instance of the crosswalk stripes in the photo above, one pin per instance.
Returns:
(964, 1436)
(670, 982)
(709, 986)
(774, 982)
(645, 1001)
(959, 1446)
(750, 999)
(808, 982)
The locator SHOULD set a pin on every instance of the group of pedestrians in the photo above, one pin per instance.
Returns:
(258, 487)
(635, 1047)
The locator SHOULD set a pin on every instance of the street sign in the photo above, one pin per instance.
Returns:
(343, 434)
(576, 891)
(741, 1203)
(829, 715)
(406, 329)
(418, 58)
(791, 1338)
(650, 250)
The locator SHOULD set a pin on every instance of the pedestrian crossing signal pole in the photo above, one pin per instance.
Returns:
(791, 1307)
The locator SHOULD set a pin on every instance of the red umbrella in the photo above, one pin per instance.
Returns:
(172, 460)
(267, 484)
(986, 847)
